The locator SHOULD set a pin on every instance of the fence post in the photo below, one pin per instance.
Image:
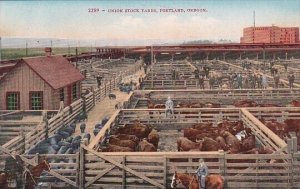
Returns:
(165, 171)
(23, 142)
(110, 86)
(37, 158)
(45, 121)
(221, 162)
(115, 83)
(81, 167)
(124, 173)
(83, 104)
(94, 96)
(78, 169)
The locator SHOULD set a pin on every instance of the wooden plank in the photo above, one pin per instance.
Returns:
(100, 174)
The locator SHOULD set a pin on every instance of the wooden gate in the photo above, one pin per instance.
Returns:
(101, 170)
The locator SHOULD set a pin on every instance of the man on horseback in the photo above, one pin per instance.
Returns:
(14, 169)
(169, 106)
(202, 172)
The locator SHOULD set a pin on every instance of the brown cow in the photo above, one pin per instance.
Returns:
(279, 129)
(245, 103)
(212, 105)
(145, 146)
(127, 137)
(153, 137)
(124, 143)
(248, 143)
(231, 141)
(210, 144)
(295, 103)
(292, 125)
(115, 148)
(184, 144)
(191, 133)
(202, 126)
(159, 106)
(222, 143)
(137, 129)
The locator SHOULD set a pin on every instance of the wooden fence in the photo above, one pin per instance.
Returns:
(224, 97)
(155, 169)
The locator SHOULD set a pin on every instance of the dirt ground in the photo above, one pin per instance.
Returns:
(168, 140)
(104, 108)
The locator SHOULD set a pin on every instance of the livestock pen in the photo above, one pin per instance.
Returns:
(155, 169)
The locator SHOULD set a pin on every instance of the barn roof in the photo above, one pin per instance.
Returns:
(54, 70)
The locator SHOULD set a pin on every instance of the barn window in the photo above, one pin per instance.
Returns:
(36, 100)
(62, 94)
(13, 100)
(74, 91)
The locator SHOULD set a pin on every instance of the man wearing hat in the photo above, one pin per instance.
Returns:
(202, 172)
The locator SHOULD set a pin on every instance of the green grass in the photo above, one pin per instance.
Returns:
(15, 53)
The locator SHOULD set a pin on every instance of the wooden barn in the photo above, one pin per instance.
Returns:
(39, 83)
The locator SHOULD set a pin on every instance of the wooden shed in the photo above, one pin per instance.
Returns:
(39, 83)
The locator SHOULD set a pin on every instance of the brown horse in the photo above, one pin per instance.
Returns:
(31, 176)
(191, 182)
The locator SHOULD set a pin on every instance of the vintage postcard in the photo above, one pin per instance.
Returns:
(198, 94)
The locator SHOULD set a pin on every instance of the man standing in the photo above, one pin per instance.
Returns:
(169, 106)
(259, 81)
(240, 81)
(254, 81)
(285, 64)
(99, 80)
(211, 82)
(196, 72)
(202, 172)
(14, 170)
(291, 80)
(201, 82)
(264, 81)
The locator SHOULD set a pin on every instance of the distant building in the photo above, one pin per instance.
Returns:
(40, 83)
(270, 34)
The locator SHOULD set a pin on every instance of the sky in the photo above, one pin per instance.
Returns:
(221, 19)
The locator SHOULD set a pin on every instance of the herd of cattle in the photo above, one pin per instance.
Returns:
(65, 140)
(131, 138)
(230, 136)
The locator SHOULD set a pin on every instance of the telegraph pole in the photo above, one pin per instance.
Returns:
(0, 49)
(26, 51)
(152, 84)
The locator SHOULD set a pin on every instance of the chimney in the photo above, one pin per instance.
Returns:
(48, 51)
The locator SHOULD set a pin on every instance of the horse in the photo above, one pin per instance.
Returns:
(212, 181)
(31, 176)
